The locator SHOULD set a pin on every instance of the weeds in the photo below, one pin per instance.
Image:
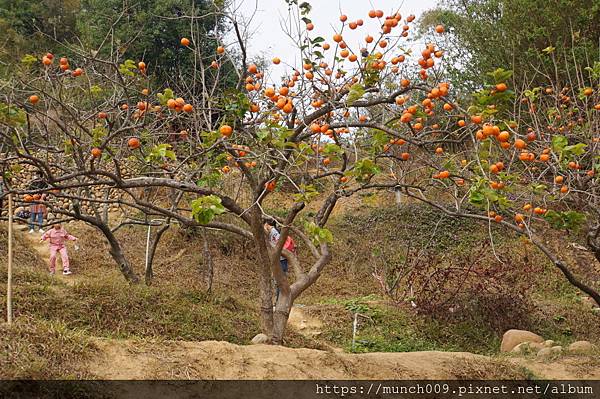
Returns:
(35, 349)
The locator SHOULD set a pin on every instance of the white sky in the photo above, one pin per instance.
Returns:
(269, 40)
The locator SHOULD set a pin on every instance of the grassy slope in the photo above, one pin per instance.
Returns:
(37, 349)
(176, 306)
(555, 309)
(55, 320)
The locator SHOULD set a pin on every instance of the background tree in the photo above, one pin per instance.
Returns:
(35, 26)
(138, 30)
(150, 31)
(489, 34)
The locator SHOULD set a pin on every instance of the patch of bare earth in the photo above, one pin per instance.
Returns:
(124, 359)
(175, 360)
(563, 368)
(304, 323)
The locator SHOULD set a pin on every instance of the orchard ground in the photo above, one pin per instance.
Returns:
(94, 325)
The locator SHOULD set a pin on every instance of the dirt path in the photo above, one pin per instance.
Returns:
(303, 323)
(126, 359)
(43, 251)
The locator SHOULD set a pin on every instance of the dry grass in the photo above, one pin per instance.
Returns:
(468, 369)
(35, 349)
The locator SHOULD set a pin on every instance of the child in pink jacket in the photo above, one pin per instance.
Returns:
(57, 237)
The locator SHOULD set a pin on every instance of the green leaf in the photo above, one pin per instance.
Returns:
(500, 75)
(481, 193)
(209, 180)
(332, 149)
(477, 198)
(305, 8)
(95, 90)
(319, 235)
(28, 59)
(235, 103)
(205, 208)
(263, 134)
(532, 95)
(98, 134)
(576, 149)
(127, 68)
(355, 94)
(378, 140)
(166, 96)
(558, 143)
(307, 193)
(538, 188)
(160, 152)
(595, 71)
(569, 220)
(364, 169)
(12, 116)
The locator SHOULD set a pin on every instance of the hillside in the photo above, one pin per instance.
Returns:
(71, 326)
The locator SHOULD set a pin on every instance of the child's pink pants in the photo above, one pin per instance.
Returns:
(63, 255)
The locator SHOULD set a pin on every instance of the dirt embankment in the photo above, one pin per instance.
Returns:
(126, 359)
(221, 360)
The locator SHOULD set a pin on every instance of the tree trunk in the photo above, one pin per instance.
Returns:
(281, 316)
(207, 261)
(264, 273)
(115, 248)
(266, 295)
(117, 254)
(149, 272)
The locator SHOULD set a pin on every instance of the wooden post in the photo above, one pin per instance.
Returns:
(354, 328)
(148, 248)
(10, 258)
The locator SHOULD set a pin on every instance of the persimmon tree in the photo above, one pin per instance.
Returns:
(528, 163)
(349, 119)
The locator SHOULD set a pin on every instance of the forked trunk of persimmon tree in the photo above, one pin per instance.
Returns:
(264, 274)
(274, 320)
(281, 315)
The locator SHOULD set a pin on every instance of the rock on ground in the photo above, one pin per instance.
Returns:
(512, 338)
(260, 339)
(581, 346)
